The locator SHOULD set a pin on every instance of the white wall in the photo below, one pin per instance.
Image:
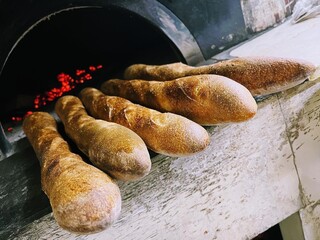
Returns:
(261, 14)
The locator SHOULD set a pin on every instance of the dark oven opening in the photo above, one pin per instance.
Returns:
(82, 45)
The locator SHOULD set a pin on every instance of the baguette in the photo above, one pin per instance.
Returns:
(111, 147)
(205, 99)
(165, 133)
(260, 75)
(83, 199)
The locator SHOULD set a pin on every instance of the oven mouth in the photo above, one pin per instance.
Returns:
(88, 45)
(80, 39)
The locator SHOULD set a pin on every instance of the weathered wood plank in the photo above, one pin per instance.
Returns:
(310, 218)
(301, 108)
(242, 184)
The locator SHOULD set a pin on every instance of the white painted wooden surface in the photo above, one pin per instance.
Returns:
(304, 132)
(301, 109)
(310, 217)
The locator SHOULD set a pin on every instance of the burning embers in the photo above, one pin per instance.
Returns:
(67, 82)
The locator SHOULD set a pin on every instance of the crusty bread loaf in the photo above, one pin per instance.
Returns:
(111, 147)
(206, 99)
(166, 133)
(260, 75)
(83, 198)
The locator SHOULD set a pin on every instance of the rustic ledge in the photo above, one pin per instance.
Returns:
(253, 175)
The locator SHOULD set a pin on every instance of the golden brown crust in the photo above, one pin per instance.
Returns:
(83, 198)
(111, 147)
(260, 75)
(164, 133)
(206, 99)
(163, 72)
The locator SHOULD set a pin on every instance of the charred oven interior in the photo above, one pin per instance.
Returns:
(77, 39)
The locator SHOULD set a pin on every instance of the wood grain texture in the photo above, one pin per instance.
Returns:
(310, 218)
(301, 108)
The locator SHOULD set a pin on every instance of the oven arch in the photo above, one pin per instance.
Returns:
(158, 25)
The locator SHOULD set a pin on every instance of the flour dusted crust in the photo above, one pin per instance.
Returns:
(163, 72)
(261, 75)
(111, 147)
(207, 99)
(166, 133)
(84, 199)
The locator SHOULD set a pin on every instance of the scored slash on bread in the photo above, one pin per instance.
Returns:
(83, 199)
(206, 99)
(261, 75)
(165, 133)
(111, 147)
